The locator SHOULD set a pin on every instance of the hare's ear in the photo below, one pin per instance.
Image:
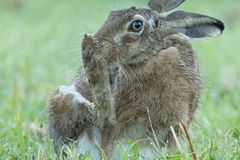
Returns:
(194, 26)
(164, 5)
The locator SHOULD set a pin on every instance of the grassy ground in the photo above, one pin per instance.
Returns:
(40, 49)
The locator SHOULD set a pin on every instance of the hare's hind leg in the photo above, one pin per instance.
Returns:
(69, 114)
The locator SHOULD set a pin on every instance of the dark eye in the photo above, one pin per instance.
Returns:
(136, 26)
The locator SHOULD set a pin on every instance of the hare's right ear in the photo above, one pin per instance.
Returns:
(164, 5)
(192, 25)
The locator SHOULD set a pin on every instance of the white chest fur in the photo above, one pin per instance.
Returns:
(136, 132)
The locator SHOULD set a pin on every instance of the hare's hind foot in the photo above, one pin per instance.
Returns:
(69, 114)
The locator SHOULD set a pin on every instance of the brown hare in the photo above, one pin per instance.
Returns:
(140, 78)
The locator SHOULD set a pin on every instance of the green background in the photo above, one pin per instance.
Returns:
(40, 49)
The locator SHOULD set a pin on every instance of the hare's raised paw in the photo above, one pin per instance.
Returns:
(93, 59)
(87, 48)
(90, 46)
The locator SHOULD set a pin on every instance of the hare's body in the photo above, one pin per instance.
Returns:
(140, 79)
(150, 97)
(162, 91)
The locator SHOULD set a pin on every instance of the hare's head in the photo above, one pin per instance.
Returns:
(137, 33)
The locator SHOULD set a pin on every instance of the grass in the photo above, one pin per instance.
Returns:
(40, 49)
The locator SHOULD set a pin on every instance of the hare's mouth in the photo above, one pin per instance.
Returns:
(141, 57)
(135, 59)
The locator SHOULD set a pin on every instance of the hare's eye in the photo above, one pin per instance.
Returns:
(136, 26)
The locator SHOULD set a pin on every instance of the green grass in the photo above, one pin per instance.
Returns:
(40, 49)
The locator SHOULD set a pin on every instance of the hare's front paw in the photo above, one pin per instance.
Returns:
(94, 61)
(90, 47)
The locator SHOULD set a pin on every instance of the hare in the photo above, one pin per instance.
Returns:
(140, 78)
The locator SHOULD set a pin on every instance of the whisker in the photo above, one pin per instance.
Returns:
(71, 62)
(108, 6)
(72, 51)
(134, 74)
(132, 83)
(126, 75)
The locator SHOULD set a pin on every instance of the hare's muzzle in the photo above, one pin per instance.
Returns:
(109, 50)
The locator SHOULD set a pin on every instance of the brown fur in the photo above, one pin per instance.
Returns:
(168, 85)
(151, 75)
(67, 118)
